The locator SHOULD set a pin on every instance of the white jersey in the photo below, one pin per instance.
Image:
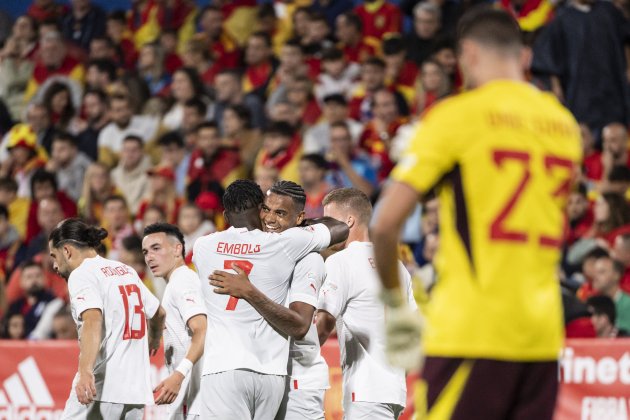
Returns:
(121, 370)
(307, 367)
(182, 300)
(240, 337)
(351, 294)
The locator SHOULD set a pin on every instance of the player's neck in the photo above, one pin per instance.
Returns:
(248, 220)
(497, 70)
(167, 276)
(82, 256)
(358, 234)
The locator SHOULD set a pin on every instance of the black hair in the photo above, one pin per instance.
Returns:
(65, 137)
(9, 184)
(115, 197)
(315, 16)
(603, 305)
(199, 105)
(105, 39)
(243, 113)
(336, 98)
(619, 173)
(375, 61)
(316, 159)
(354, 20)
(231, 72)
(596, 253)
(492, 27)
(195, 80)
(242, 195)
(42, 176)
(292, 190)
(280, 128)
(118, 15)
(30, 263)
(104, 65)
(266, 10)
(207, 124)
(4, 212)
(169, 230)
(295, 43)
(102, 96)
(394, 44)
(171, 138)
(443, 43)
(78, 232)
(134, 138)
(581, 189)
(264, 36)
(332, 54)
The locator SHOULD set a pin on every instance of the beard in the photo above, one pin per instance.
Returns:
(34, 291)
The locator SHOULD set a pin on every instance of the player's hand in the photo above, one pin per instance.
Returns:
(237, 285)
(169, 388)
(403, 329)
(85, 388)
(154, 345)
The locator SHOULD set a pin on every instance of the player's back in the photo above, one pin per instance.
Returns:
(508, 152)
(239, 337)
(121, 369)
(351, 294)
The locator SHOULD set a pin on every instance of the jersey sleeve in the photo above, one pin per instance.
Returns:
(84, 291)
(298, 242)
(188, 296)
(431, 154)
(149, 301)
(308, 277)
(333, 296)
(405, 283)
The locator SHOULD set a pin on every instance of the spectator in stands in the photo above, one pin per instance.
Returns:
(100, 73)
(85, 22)
(260, 64)
(197, 55)
(238, 134)
(335, 110)
(49, 214)
(97, 186)
(349, 168)
(229, 91)
(312, 169)
(604, 316)
(186, 85)
(14, 327)
(337, 76)
(608, 273)
(57, 99)
(168, 42)
(593, 169)
(10, 243)
(53, 60)
(143, 21)
(427, 18)
(212, 167)
(300, 94)
(588, 272)
(97, 117)
(284, 111)
(223, 47)
(612, 217)
(102, 48)
(131, 255)
(444, 54)
(579, 215)
(380, 130)
(130, 175)
(17, 206)
(281, 150)
(434, 85)
(153, 214)
(316, 39)
(123, 40)
(174, 154)
(43, 10)
(615, 147)
(25, 157)
(161, 193)
(124, 123)
(621, 253)
(265, 177)
(617, 181)
(379, 18)
(63, 327)
(193, 225)
(349, 31)
(151, 68)
(117, 222)
(586, 31)
(38, 118)
(195, 111)
(25, 33)
(400, 73)
(292, 65)
(69, 164)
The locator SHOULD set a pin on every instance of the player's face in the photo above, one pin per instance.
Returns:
(159, 253)
(60, 262)
(278, 213)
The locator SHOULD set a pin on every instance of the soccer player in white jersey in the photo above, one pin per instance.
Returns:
(110, 306)
(308, 372)
(245, 357)
(349, 300)
(185, 334)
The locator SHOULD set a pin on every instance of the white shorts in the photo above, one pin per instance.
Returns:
(98, 410)
(302, 404)
(241, 394)
(360, 410)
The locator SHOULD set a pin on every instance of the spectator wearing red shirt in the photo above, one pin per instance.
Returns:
(168, 41)
(379, 18)
(312, 169)
(593, 168)
(400, 73)
(43, 10)
(223, 48)
(197, 56)
(260, 64)
(588, 270)
(161, 193)
(292, 65)
(212, 167)
(615, 147)
(349, 31)
(579, 215)
(316, 40)
(379, 132)
(122, 38)
(434, 85)
(621, 252)
(300, 95)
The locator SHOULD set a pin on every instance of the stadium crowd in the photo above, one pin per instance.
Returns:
(137, 116)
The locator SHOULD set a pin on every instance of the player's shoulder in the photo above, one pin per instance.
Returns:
(338, 258)
(183, 275)
(311, 260)
(87, 268)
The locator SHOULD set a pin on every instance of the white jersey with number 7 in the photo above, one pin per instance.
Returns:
(238, 336)
(121, 370)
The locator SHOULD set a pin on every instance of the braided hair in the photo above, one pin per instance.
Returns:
(292, 190)
(242, 195)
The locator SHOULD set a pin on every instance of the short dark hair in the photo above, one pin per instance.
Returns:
(78, 232)
(199, 105)
(171, 138)
(65, 137)
(394, 44)
(114, 197)
(280, 128)
(316, 16)
(266, 10)
(596, 253)
(264, 36)
(602, 305)
(354, 20)
(207, 124)
(243, 113)
(335, 98)
(292, 190)
(235, 73)
(242, 195)
(135, 139)
(492, 27)
(352, 199)
(169, 230)
(30, 263)
(133, 244)
(618, 266)
(375, 61)
(316, 159)
(332, 54)
(294, 43)
(8, 184)
(102, 96)
(581, 189)
(619, 173)
(118, 15)
(42, 176)
(104, 65)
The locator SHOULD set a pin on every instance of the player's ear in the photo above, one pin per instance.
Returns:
(67, 251)
(300, 218)
(350, 220)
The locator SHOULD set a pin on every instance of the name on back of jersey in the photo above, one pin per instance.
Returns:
(120, 270)
(232, 249)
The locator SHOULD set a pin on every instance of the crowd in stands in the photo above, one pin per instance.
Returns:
(130, 117)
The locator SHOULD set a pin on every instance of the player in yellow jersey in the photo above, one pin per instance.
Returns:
(502, 158)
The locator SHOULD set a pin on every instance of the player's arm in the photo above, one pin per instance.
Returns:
(91, 335)
(325, 325)
(339, 231)
(156, 326)
(293, 321)
(169, 388)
